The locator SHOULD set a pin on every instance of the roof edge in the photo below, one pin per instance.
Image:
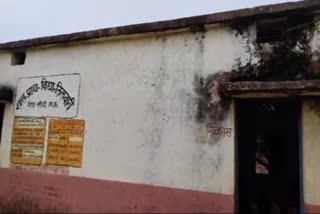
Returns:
(164, 25)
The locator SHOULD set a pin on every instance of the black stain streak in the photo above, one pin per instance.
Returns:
(200, 34)
(198, 29)
(314, 105)
(240, 26)
(208, 112)
(290, 58)
(6, 93)
(203, 98)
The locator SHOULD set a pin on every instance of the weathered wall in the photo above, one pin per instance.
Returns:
(149, 120)
(144, 104)
(27, 192)
(311, 154)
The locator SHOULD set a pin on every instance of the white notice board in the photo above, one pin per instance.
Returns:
(48, 96)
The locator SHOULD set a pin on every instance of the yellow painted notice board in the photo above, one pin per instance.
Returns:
(28, 140)
(65, 142)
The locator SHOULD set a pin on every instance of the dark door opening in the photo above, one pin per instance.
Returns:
(268, 158)
(2, 106)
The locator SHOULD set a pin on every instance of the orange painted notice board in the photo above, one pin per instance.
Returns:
(28, 140)
(65, 142)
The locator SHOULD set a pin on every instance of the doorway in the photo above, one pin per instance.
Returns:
(2, 107)
(268, 156)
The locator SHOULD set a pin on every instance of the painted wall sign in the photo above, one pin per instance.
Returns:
(219, 131)
(48, 96)
(65, 142)
(28, 140)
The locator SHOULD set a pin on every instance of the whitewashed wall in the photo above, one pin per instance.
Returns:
(138, 99)
(311, 150)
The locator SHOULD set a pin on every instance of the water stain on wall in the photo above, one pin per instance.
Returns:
(211, 108)
(24, 204)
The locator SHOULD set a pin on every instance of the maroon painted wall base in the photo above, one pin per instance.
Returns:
(23, 191)
(312, 208)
